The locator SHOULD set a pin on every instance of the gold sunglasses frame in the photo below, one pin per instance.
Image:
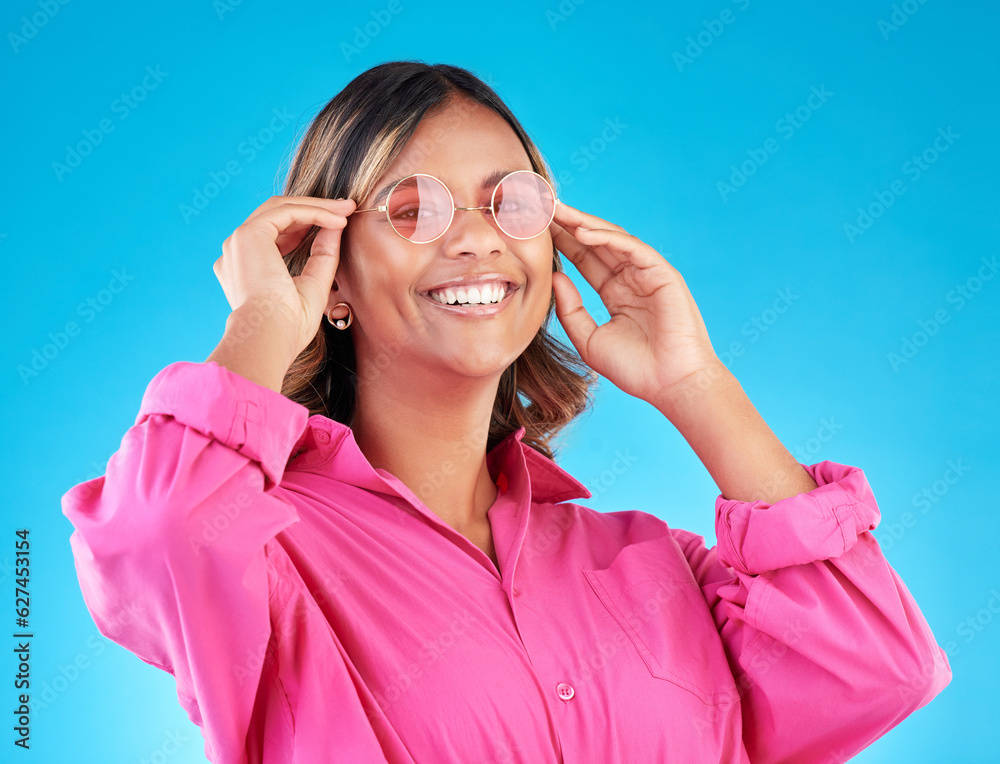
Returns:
(385, 208)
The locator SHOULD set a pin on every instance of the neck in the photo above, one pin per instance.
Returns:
(430, 429)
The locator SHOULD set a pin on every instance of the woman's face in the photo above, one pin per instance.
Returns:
(386, 279)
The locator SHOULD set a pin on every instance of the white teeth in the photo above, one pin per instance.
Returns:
(475, 295)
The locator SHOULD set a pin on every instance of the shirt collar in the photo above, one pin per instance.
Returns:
(549, 483)
(509, 461)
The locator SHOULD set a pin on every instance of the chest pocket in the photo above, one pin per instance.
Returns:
(651, 593)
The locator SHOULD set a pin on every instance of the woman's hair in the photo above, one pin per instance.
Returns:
(345, 151)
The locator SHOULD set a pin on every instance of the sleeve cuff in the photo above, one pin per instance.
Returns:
(755, 537)
(259, 423)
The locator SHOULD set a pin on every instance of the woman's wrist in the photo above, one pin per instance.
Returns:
(256, 346)
(745, 458)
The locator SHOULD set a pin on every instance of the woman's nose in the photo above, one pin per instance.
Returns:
(483, 214)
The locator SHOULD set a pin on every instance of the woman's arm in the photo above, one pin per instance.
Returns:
(828, 647)
(253, 347)
(169, 544)
(745, 458)
(827, 644)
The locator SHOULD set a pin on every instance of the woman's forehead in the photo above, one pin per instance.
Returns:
(462, 144)
(460, 132)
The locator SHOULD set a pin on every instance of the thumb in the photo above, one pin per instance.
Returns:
(316, 279)
(324, 256)
(575, 319)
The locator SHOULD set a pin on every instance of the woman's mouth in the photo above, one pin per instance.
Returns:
(474, 309)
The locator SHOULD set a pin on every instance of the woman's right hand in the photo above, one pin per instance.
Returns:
(253, 274)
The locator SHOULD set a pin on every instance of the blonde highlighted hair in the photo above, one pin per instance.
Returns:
(345, 151)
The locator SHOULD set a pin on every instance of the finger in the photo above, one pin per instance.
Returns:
(289, 223)
(592, 266)
(293, 233)
(293, 236)
(261, 234)
(575, 319)
(625, 248)
(337, 205)
(324, 257)
(570, 217)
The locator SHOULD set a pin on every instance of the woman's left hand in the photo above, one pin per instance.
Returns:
(656, 336)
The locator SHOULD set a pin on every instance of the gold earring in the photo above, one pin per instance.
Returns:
(340, 323)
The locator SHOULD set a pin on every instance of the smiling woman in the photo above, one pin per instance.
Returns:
(450, 141)
(351, 539)
(429, 119)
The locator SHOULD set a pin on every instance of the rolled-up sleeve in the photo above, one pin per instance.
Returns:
(828, 647)
(170, 543)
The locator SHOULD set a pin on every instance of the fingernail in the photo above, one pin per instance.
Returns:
(581, 228)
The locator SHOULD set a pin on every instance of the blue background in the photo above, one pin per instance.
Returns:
(820, 372)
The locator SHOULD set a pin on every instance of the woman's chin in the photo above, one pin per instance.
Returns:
(482, 367)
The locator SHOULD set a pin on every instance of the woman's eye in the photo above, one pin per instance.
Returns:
(405, 213)
(411, 213)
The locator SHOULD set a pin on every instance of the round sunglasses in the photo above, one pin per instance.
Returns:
(420, 207)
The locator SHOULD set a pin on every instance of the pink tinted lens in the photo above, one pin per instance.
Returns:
(523, 205)
(420, 208)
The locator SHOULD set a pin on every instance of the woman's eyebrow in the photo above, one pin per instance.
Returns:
(488, 182)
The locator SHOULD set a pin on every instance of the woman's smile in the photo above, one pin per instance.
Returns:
(474, 310)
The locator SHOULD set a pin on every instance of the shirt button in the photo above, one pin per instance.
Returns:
(322, 436)
(516, 592)
(565, 691)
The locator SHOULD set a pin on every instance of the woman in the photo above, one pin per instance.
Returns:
(348, 540)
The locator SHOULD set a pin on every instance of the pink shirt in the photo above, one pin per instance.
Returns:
(312, 609)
